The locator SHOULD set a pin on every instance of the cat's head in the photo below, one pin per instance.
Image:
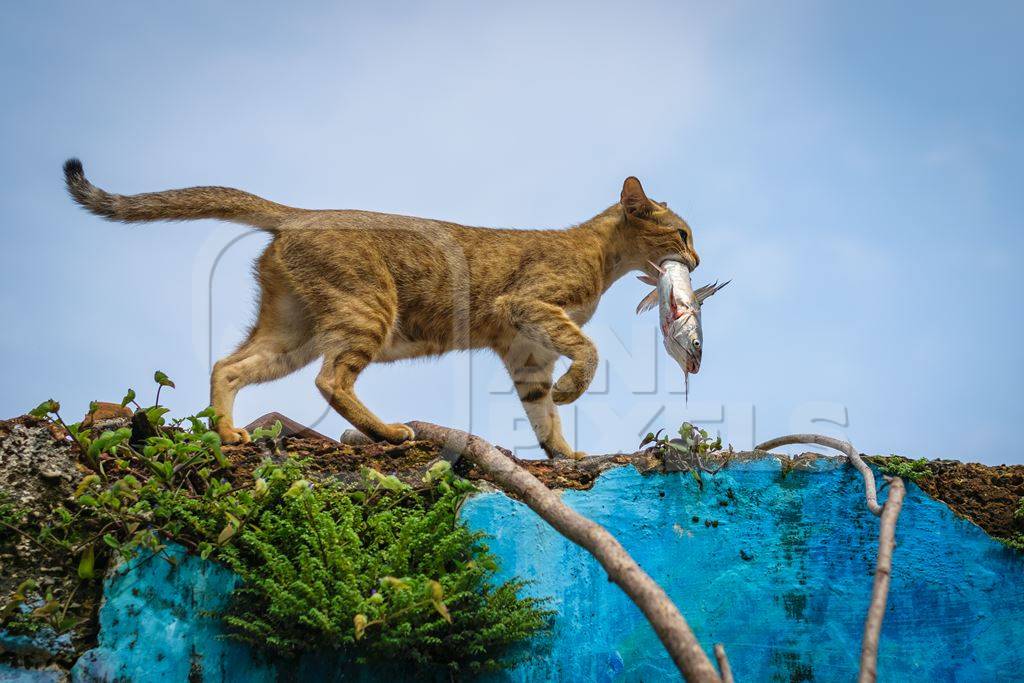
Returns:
(655, 232)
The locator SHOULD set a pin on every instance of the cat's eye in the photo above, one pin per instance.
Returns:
(682, 236)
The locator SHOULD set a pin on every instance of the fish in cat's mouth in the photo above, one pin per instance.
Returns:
(679, 309)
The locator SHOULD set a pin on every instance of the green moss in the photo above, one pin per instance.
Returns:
(905, 468)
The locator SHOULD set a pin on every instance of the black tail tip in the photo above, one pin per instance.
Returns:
(73, 171)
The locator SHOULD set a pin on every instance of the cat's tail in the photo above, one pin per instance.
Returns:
(190, 203)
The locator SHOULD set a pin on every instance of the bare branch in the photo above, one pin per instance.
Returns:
(842, 446)
(723, 663)
(880, 590)
(661, 612)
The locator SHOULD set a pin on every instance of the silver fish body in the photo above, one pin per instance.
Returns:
(679, 307)
(679, 316)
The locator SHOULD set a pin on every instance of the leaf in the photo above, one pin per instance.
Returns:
(394, 583)
(87, 563)
(156, 414)
(162, 379)
(128, 398)
(360, 622)
(93, 406)
(298, 488)
(226, 533)
(271, 432)
(212, 441)
(647, 439)
(442, 609)
(111, 541)
(86, 482)
(45, 408)
(393, 483)
(696, 475)
(438, 471)
(436, 591)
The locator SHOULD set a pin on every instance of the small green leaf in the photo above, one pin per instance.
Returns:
(212, 441)
(128, 398)
(111, 541)
(360, 622)
(439, 471)
(162, 379)
(45, 408)
(298, 488)
(226, 533)
(87, 563)
(86, 482)
(442, 609)
(155, 415)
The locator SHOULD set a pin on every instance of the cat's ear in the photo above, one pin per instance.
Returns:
(634, 200)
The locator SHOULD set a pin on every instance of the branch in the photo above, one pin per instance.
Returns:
(835, 444)
(889, 513)
(723, 663)
(880, 590)
(668, 623)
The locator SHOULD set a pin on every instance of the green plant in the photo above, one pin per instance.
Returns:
(692, 443)
(382, 571)
(898, 466)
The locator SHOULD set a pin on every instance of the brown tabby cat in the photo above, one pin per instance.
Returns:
(355, 287)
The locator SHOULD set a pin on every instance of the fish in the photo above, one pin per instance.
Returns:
(679, 308)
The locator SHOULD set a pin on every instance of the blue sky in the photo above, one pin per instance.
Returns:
(855, 169)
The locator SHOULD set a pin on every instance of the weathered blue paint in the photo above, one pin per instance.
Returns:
(783, 580)
(158, 623)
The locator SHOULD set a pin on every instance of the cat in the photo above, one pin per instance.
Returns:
(355, 287)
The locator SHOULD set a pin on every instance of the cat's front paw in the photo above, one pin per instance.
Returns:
(561, 449)
(568, 388)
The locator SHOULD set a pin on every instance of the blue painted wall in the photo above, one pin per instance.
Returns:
(794, 609)
(778, 569)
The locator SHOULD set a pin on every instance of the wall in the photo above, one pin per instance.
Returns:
(779, 569)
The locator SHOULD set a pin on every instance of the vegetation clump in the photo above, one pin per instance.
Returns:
(905, 468)
(382, 571)
(1016, 541)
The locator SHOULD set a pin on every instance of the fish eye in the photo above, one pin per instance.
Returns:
(696, 343)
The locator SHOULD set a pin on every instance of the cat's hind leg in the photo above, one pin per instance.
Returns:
(280, 343)
(350, 337)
